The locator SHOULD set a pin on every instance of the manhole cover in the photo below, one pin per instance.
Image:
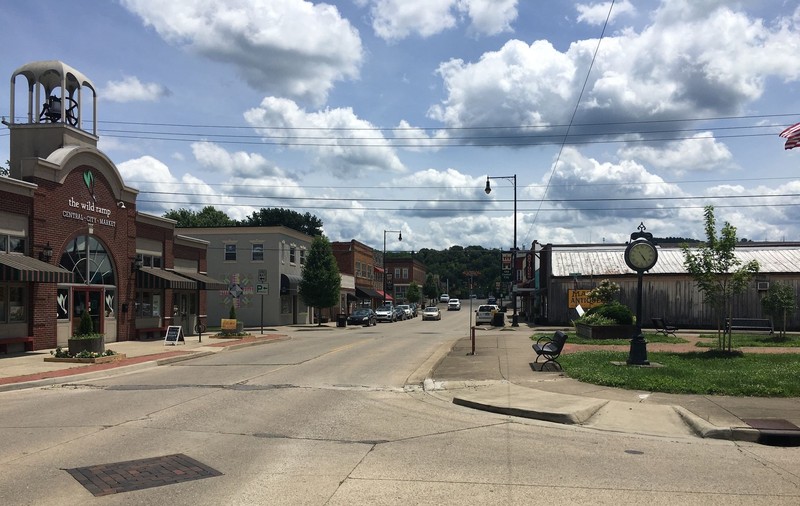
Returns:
(105, 479)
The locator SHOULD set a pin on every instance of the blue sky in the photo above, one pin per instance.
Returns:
(389, 114)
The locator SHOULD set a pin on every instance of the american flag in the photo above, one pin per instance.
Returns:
(792, 136)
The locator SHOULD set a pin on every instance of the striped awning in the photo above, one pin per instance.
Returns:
(367, 293)
(23, 268)
(150, 278)
(204, 282)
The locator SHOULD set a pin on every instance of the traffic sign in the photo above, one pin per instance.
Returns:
(262, 288)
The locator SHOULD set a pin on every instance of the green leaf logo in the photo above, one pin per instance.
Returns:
(88, 178)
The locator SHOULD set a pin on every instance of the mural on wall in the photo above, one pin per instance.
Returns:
(240, 291)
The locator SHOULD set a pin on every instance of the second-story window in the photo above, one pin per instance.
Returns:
(302, 256)
(230, 252)
(292, 253)
(258, 252)
(405, 273)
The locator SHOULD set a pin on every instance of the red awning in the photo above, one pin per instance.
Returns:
(385, 296)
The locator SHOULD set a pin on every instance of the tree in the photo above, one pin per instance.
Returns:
(605, 292)
(429, 289)
(413, 293)
(718, 274)
(321, 280)
(207, 217)
(780, 302)
(5, 171)
(270, 217)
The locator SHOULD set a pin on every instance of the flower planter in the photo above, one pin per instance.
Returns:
(92, 345)
(605, 331)
(98, 360)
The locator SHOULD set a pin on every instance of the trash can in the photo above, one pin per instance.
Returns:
(341, 320)
(499, 319)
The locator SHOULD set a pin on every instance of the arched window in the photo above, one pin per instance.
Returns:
(89, 261)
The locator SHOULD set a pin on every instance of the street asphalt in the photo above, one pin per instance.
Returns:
(500, 377)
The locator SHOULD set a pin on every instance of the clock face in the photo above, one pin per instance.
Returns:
(641, 256)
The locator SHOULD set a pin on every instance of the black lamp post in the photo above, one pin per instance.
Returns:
(399, 238)
(488, 190)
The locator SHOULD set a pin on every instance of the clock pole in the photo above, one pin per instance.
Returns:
(638, 350)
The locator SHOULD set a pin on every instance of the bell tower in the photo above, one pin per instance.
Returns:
(55, 116)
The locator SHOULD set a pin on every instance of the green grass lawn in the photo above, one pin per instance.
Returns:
(745, 340)
(756, 375)
(650, 337)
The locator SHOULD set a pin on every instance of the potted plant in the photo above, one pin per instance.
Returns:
(610, 320)
(85, 338)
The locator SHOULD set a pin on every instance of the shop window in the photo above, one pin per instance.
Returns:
(88, 261)
(258, 252)
(230, 252)
(12, 244)
(62, 304)
(148, 304)
(16, 304)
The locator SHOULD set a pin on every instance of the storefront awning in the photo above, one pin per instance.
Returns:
(367, 293)
(203, 281)
(24, 268)
(150, 278)
(383, 296)
(290, 283)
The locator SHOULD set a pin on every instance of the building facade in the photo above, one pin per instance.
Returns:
(364, 264)
(71, 238)
(400, 273)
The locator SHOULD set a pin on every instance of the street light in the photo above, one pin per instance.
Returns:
(488, 190)
(399, 238)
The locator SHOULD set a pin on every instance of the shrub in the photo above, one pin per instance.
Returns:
(232, 314)
(613, 313)
(85, 327)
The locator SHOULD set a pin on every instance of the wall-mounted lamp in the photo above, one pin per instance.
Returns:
(136, 265)
(121, 204)
(47, 253)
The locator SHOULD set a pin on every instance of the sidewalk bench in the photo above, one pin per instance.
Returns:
(157, 331)
(4, 342)
(550, 348)
(663, 327)
(760, 324)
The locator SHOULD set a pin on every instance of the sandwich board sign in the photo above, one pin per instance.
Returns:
(174, 335)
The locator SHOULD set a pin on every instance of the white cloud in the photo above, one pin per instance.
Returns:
(283, 47)
(701, 152)
(596, 14)
(131, 89)
(237, 164)
(343, 144)
(394, 20)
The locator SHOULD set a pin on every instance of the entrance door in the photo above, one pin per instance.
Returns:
(90, 299)
(184, 313)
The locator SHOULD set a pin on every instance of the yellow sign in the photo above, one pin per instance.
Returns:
(228, 324)
(580, 297)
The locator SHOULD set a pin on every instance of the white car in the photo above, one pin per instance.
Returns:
(454, 305)
(385, 314)
(485, 313)
(444, 298)
(407, 310)
(431, 313)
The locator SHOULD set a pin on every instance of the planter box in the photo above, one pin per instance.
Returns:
(98, 360)
(93, 345)
(605, 331)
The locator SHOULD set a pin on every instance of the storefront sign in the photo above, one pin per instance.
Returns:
(227, 324)
(580, 297)
(84, 211)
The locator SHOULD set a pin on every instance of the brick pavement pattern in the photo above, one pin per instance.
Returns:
(106, 479)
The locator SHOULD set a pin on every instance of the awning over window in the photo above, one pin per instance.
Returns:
(367, 293)
(150, 278)
(204, 282)
(289, 283)
(388, 297)
(24, 268)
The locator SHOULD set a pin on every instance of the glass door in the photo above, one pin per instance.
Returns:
(90, 299)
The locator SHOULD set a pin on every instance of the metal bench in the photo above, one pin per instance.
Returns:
(663, 327)
(550, 348)
(748, 324)
(4, 342)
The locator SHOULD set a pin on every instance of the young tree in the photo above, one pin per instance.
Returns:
(413, 294)
(429, 289)
(780, 302)
(718, 274)
(321, 280)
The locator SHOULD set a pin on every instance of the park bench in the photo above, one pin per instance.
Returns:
(748, 324)
(4, 342)
(550, 348)
(662, 326)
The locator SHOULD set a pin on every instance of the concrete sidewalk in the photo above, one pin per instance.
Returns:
(501, 378)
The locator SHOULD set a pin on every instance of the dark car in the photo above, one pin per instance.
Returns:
(400, 313)
(364, 316)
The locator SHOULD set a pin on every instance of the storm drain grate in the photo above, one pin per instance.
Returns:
(770, 424)
(105, 479)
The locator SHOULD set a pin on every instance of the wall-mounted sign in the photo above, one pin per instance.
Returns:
(580, 297)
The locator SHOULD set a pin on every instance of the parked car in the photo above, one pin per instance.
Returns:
(454, 305)
(407, 309)
(491, 300)
(414, 309)
(431, 313)
(444, 298)
(364, 316)
(399, 314)
(485, 313)
(385, 314)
